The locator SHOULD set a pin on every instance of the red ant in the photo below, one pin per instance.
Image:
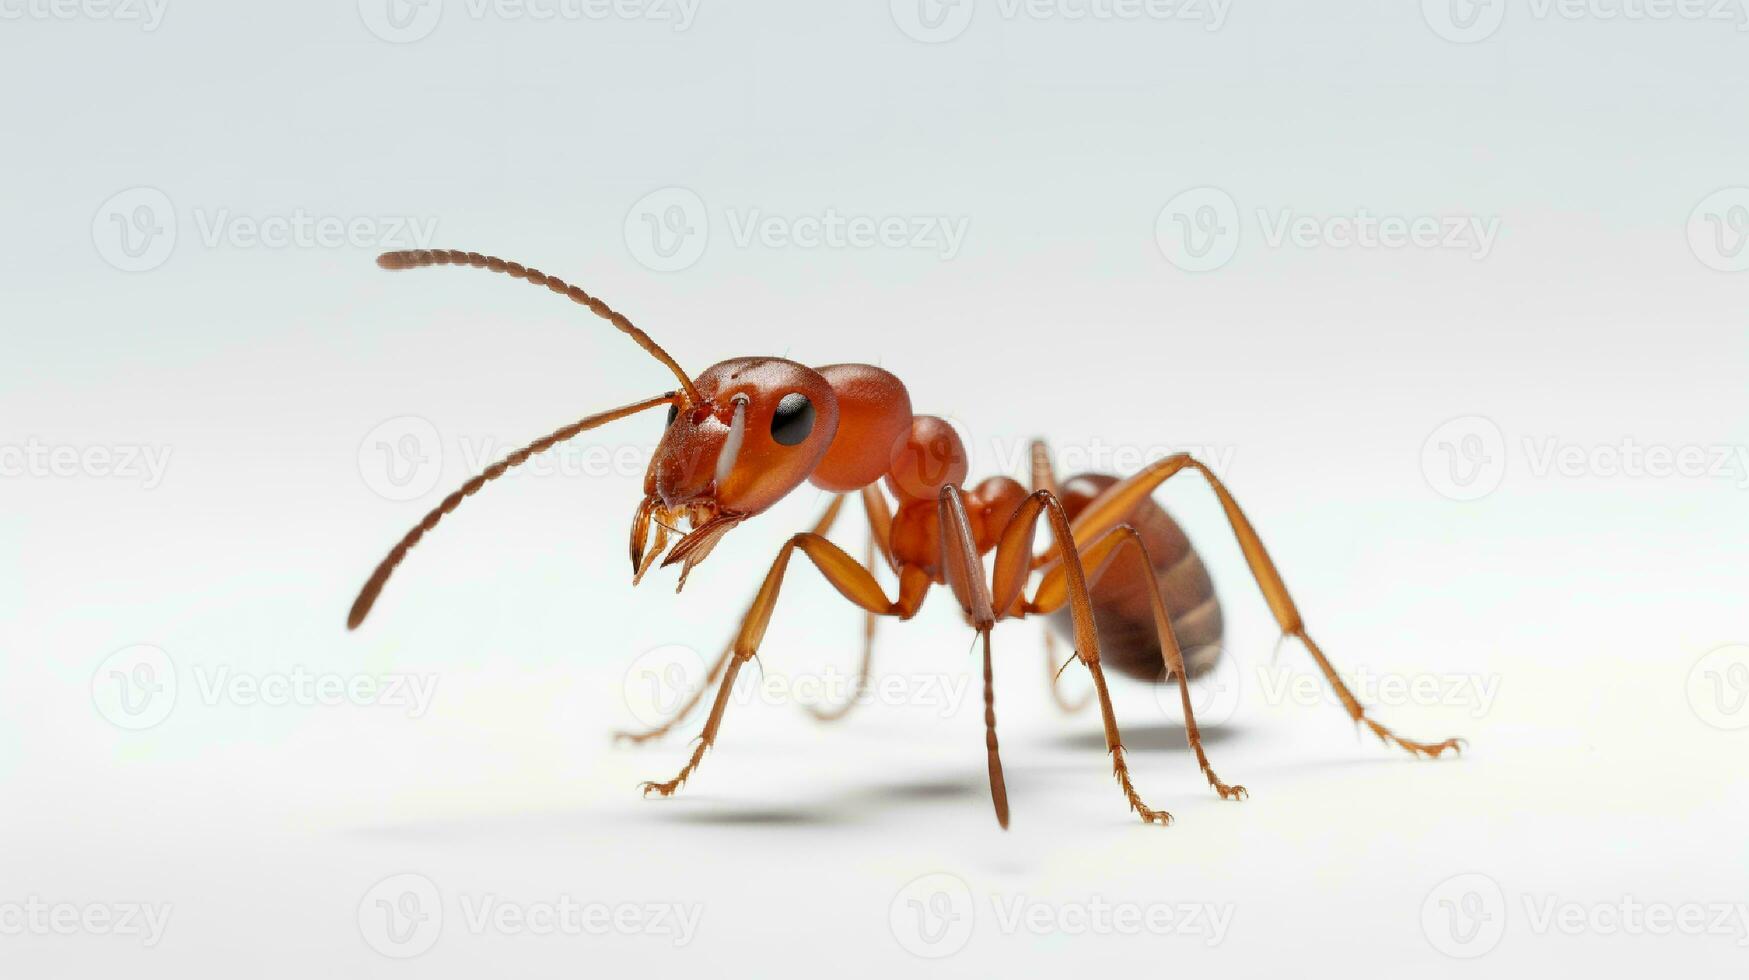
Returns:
(748, 431)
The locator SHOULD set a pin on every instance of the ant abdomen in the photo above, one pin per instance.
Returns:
(1122, 610)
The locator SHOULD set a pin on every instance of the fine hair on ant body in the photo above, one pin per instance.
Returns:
(747, 431)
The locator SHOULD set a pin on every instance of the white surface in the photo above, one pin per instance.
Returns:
(1602, 769)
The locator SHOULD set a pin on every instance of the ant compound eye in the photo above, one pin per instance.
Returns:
(793, 420)
(673, 412)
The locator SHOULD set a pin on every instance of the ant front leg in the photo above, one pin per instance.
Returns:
(1106, 510)
(860, 684)
(852, 580)
(821, 527)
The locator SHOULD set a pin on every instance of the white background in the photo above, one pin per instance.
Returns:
(1605, 763)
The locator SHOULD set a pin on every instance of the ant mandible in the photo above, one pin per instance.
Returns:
(748, 431)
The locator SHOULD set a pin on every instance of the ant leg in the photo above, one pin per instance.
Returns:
(1096, 558)
(852, 581)
(1044, 477)
(964, 571)
(821, 527)
(692, 700)
(1106, 510)
(868, 635)
(1012, 567)
(1054, 673)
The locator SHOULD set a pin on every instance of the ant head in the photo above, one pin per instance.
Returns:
(739, 438)
(759, 428)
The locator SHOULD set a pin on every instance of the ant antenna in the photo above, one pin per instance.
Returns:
(418, 258)
(367, 596)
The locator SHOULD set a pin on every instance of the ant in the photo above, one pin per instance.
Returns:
(748, 431)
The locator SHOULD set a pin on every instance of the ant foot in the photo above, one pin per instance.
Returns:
(665, 789)
(1227, 792)
(1425, 750)
(1160, 817)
